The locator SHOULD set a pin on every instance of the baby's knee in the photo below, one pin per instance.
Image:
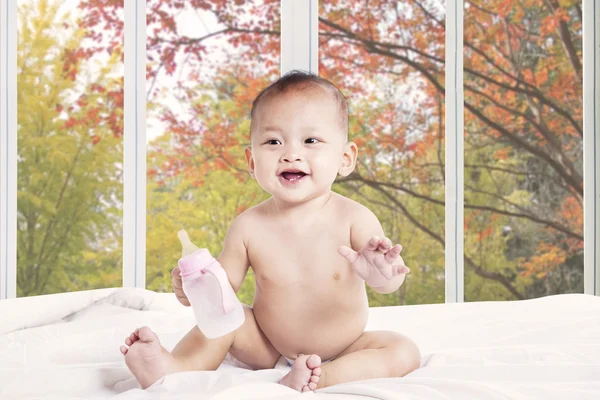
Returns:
(406, 356)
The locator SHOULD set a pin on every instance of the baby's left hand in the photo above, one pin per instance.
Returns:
(377, 262)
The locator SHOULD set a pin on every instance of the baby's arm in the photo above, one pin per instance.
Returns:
(366, 238)
(234, 256)
(233, 259)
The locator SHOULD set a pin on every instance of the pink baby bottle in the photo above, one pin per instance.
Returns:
(216, 307)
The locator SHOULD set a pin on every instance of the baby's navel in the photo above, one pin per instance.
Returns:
(336, 276)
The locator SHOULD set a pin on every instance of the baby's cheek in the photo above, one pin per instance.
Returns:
(327, 165)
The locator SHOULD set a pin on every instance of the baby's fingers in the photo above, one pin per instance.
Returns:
(385, 245)
(348, 253)
(178, 287)
(176, 280)
(393, 254)
(373, 243)
(402, 269)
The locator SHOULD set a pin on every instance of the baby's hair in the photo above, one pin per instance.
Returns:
(301, 81)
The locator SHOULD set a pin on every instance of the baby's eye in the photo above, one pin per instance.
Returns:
(311, 140)
(272, 141)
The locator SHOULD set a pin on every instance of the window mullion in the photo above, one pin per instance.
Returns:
(591, 147)
(134, 150)
(299, 35)
(8, 150)
(454, 238)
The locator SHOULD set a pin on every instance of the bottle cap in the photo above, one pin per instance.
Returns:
(187, 247)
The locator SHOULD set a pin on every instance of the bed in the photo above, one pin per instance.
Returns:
(66, 346)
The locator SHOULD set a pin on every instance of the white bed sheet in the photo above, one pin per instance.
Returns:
(66, 346)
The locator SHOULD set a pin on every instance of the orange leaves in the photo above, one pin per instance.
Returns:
(485, 233)
(551, 22)
(572, 213)
(242, 208)
(504, 7)
(541, 77)
(220, 164)
(547, 257)
(481, 224)
(502, 154)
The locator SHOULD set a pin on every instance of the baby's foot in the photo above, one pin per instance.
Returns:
(146, 358)
(305, 373)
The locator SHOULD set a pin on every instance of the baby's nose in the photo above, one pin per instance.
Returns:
(291, 157)
(292, 154)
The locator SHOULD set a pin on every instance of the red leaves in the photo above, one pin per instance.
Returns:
(71, 122)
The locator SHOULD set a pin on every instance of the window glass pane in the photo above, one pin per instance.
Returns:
(388, 59)
(523, 149)
(70, 149)
(206, 64)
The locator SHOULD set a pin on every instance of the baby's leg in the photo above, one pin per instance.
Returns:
(149, 361)
(376, 354)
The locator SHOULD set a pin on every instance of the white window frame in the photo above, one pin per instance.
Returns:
(591, 146)
(300, 35)
(134, 146)
(8, 149)
(299, 50)
(454, 156)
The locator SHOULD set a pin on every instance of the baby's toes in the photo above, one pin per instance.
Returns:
(316, 371)
(145, 334)
(314, 379)
(312, 385)
(123, 349)
(313, 361)
(305, 388)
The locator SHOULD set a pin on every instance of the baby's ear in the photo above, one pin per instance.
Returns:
(348, 159)
(249, 160)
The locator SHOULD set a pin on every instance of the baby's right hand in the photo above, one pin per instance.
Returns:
(178, 287)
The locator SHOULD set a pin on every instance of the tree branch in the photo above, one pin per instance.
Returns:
(503, 280)
(372, 183)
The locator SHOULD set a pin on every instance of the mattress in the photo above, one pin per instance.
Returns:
(66, 346)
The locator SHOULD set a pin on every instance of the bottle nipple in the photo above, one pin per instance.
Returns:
(187, 247)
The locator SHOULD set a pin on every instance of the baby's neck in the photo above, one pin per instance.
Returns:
(293, 210)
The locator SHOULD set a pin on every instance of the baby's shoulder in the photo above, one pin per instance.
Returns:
(352, 210)
(248, 219)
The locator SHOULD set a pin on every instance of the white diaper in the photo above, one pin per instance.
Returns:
(282, 363)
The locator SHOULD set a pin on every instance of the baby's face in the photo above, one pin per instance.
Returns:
(298, 145)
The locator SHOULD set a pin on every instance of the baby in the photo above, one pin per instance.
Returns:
(311, 249)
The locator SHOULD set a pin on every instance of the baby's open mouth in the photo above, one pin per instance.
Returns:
(292, 175)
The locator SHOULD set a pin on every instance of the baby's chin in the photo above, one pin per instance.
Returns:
(298, 198)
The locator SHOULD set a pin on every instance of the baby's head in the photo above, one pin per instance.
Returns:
(299, 82)
(299, 137)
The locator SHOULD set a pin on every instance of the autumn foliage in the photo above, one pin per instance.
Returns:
(522, 125)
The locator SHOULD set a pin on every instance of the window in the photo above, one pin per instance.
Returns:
(475, 109)
(70, 150)
(204, 68)
(523, 149)
(389, 61)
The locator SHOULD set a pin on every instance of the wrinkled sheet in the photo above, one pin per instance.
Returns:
(66, 346)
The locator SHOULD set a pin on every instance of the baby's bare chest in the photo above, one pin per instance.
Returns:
(281, 257)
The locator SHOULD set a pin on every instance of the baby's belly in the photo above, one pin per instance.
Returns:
(311, 323)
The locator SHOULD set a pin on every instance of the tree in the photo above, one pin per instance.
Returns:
(523, 114)
(69, 157)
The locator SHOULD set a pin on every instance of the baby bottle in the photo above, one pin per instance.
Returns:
(216, 307)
